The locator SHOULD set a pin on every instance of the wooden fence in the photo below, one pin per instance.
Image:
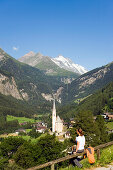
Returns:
(52, 163)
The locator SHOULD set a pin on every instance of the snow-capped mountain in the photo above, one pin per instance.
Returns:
(67, 64)
(49, 64)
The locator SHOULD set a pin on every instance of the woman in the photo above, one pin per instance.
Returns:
(80, 146)
(80, 141)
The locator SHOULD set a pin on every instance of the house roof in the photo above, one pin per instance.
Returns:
(107, 113)
(43, 127)
(110, 116)
(67, 132)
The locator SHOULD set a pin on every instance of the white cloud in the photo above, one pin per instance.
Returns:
(15, 48)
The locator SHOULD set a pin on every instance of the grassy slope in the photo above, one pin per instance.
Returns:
(48, 64)
(33, 140)
(20, 119)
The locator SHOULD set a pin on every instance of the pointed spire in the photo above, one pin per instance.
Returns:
(54, 108)
(53, 117)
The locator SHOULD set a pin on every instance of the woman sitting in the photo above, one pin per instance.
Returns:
(80, 146)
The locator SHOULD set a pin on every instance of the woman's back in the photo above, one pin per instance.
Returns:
(81, 140)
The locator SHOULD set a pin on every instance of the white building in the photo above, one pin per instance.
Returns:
(57, 123)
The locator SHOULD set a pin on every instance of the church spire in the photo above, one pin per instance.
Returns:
(53, 117)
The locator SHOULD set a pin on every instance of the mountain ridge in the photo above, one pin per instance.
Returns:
(52, 64)
(30, 83)
(88, 83)
(36, 87)
(67, 64)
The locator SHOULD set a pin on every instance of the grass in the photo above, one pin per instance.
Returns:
(33, 140)
(109, 125)
(28, 130)
(21, 119)
(105, 159)
(26, 137)
(81, 99)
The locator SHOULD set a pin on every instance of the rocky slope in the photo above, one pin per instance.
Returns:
(25, 82)
(88, 83)
(8, 87)
(29, 83)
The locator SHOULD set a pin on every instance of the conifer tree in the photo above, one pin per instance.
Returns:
(84, 120)
(102, 128)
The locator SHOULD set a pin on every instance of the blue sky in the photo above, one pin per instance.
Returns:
(81, 30)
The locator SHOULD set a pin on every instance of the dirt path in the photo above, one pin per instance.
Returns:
(108, 167)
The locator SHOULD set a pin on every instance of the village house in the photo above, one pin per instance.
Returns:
(41, 129)
(70, 126)
(39, 124)
(67, 135)
(66, 124)
(109, 117)
(72, 120)
(22, 124)
(20, 130)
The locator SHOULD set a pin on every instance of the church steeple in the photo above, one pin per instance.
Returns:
(53, 117)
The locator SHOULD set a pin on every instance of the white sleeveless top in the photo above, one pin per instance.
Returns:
(81, 140)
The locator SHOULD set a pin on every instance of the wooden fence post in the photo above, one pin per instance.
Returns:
(52, 166)
(98, 154)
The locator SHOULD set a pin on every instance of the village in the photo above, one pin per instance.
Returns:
(61, 128)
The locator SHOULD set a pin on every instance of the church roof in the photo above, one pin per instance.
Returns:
(58, 120)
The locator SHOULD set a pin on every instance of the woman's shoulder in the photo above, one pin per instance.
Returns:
(82, 137)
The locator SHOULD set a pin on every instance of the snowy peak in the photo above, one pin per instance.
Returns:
(38, 60)
(69, 65)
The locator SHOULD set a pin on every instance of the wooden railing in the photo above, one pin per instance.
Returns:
(52, 163)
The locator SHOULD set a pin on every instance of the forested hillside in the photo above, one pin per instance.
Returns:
(99, 102)
(25, 83)
(88, 83)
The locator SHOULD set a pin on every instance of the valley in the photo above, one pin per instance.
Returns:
(27, 92)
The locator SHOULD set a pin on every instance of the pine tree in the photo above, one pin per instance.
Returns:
(84, 120)
(102, 128)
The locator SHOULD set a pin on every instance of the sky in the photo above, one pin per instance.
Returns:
(81, 30)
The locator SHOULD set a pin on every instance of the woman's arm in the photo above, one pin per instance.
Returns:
(77, 146)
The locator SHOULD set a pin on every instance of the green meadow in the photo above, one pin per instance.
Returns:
(33, 140)
(21, 119)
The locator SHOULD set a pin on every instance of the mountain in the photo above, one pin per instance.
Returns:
(27, 58)
(53, 66)
(99, 102)
(67, 64)
(31, 85)
(88, 83)
(27, 83)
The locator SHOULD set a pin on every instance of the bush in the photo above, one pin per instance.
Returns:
(10, 145)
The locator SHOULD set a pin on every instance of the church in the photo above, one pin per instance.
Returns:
(57, 123)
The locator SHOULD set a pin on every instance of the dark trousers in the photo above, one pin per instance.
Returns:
(76, 160)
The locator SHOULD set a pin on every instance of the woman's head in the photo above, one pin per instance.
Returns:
(80, 132)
